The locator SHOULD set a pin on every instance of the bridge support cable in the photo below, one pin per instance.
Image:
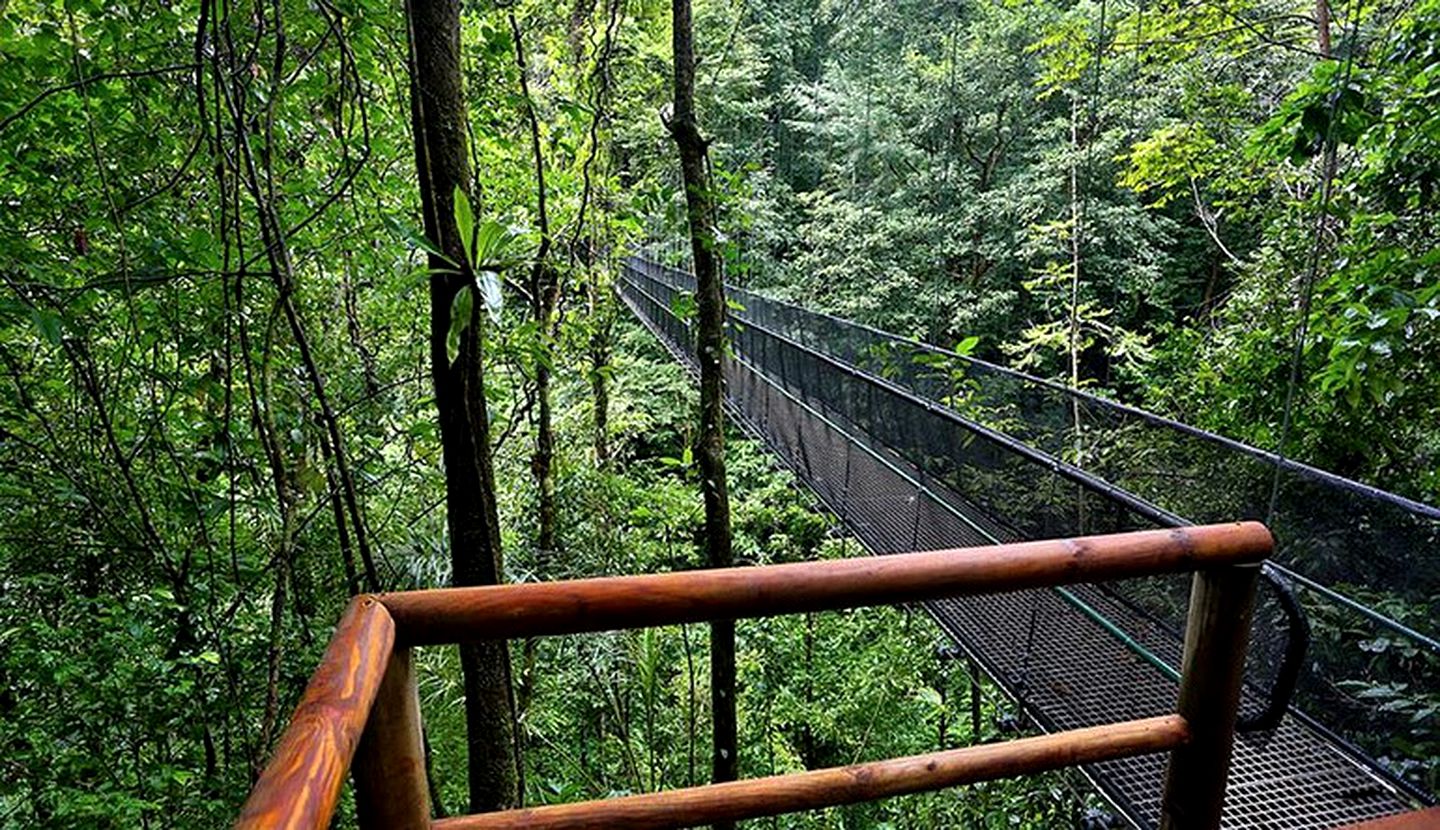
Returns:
(1097, 657)
(1159, 516)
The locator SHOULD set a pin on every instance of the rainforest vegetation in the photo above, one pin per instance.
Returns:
(253, 361)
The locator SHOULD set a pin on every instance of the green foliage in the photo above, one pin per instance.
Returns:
(948, 171)
(1367, 406)
(175, 544)
(1166, 163)
(1332, 107)
(628, 712)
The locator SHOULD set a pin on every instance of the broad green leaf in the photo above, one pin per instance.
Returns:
(415, 240)
(491, 240)
(460, 309)
(683, 306)
(49, 325)
(930, 696)
(465, 223)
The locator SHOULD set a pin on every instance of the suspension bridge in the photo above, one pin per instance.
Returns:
(916, 448)
(962, 475)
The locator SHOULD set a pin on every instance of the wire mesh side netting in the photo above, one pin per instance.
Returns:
(1076, 672)
(996, 445)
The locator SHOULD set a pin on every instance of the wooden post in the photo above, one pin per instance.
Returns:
(1216, 634)
(390, 786)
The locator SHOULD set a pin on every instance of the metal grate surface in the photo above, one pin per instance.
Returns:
(1056, 652)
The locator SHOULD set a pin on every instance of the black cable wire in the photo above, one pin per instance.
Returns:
(1329, 164)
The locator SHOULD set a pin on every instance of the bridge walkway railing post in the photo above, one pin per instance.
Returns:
(361, 710)
(1217, 629)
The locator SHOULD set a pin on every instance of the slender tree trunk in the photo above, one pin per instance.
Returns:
(1322, 27)
(544, 298)
(583, 245)
(710, 305)
(276, 650)
(342, 531)
(352, 327)
(438, 117)
(599, 360)
(1075, 230)
(1077, 221)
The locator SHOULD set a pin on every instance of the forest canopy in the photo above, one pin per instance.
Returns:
(219, 342)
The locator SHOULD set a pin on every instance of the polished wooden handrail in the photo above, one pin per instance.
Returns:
(451, 615)
(302, 782)
(368, 663)
(1427, 819)
(778, 794)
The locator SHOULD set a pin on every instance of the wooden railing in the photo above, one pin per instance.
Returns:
(361, 704)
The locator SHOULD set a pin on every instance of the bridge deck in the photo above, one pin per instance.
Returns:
(1063, 655)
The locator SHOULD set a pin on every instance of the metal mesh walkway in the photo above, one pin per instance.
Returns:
(897, 470)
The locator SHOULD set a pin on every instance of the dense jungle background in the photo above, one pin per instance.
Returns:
(217, 326)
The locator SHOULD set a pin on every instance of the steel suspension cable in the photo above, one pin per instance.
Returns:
(1328, 163)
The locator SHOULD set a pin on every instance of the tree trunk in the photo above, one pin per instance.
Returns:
(710, 305)
(583, 247)
(1077, 228)
(1073, 337)
(439, 120)
(1322, 27)
(599, 361)
(544, 298)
